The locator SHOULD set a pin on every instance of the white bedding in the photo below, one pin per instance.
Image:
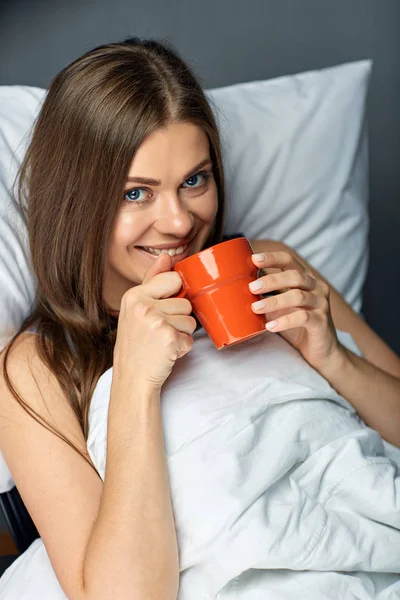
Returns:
(279, 490)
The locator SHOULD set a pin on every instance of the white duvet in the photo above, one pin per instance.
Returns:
(279, 490)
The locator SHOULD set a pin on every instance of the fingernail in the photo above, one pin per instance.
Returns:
(258, 305)
(271, 324)
(256, 285)
(259, 257)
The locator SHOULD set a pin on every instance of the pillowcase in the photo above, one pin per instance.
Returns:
(296, 164)
(295, 157)
(18, 108)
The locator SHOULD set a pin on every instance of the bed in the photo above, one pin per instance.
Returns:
(339, 51)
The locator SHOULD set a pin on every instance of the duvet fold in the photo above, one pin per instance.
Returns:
(279, 490)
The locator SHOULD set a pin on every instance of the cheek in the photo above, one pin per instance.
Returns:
(125, 229)
(208, 208)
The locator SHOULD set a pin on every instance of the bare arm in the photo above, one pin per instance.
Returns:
(371, 385)
(105, 541)
(133, 542)
(375, 394)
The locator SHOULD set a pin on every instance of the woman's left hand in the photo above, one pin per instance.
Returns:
(301, 311)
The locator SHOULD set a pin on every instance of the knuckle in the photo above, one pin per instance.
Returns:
(285, 320)
(157, 322)
(325, 304)
(305, 316)
(130, 296)
(269, 256)
(298, 277)
(188, 343)
(272, 302)
(300, 297)
(170, 337)
(272, 279)
(141, 309)
(325, 288)
(184, 349)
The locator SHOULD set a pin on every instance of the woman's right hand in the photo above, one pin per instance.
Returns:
(154, 330)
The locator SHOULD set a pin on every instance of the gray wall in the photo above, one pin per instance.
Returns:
(230, 41)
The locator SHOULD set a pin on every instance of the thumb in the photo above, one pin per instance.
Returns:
(162, 263)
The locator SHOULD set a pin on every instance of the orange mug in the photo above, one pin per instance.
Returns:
(216, 281)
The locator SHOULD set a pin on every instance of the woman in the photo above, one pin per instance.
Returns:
(112, 121)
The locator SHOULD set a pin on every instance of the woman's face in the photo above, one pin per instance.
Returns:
(177, 210)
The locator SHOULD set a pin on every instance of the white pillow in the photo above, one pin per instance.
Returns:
(18, 108)
(295, 154)
(296, 164)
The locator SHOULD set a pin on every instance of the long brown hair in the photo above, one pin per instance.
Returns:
(96, 113)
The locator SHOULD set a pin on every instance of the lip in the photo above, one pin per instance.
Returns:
(175, 259)
(168, 246)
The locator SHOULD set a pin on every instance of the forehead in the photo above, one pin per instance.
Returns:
(176, 147)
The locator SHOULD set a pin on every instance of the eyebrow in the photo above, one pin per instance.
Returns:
(147, 181)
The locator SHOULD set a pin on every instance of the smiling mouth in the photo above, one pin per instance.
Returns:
(171, 251)
(176, 254)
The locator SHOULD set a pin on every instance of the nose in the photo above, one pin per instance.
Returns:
(174, 218)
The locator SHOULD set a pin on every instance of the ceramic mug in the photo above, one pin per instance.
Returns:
(216, 281)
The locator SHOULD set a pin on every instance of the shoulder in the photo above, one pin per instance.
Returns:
(28, 376)
(34, 382)
(21, 357)
(40, 395)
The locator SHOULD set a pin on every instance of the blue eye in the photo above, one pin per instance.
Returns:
(203, 174)
(133, 196)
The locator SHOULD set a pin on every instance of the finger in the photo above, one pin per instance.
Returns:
(163, 285)
(291, 299)
(176, 306)
(183, 324)
(162, 263)
(273, 316)
(298, 318)
(281, 259)
(283, 280)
